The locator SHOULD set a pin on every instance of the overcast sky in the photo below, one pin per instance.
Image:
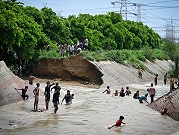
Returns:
(154, 13)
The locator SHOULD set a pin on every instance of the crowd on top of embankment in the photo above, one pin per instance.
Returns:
(67, 50)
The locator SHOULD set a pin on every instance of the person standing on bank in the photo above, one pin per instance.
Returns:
(165, 79)
(155, 80)
(152, 92)
(172, 81)
(36, 94)
(24, 92)
(47, 93)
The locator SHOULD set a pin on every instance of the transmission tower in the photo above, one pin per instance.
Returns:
(170, 31)
(123, 8)
(138, 5)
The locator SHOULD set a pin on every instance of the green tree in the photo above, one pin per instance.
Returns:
(19, 34)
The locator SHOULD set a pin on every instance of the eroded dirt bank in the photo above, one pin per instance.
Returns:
(71, 68)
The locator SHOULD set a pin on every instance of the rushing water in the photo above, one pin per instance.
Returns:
(90, 114)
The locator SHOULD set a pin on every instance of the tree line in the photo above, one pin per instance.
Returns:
(26, 31)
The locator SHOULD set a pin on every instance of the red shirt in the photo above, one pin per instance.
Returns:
(118, 122)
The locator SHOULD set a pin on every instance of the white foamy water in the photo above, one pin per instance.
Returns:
(90, 114)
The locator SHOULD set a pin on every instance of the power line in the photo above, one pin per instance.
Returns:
(162, 2)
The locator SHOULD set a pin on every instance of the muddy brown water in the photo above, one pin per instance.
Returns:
(90, 114)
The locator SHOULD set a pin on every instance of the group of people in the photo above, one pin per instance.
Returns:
(122, 93)
(68, 50)
(48, 89)
(151, 91)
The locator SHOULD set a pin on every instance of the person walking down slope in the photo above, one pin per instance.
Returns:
(140, 73)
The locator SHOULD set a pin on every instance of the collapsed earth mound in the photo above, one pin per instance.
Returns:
(72, 68)
(8, 83)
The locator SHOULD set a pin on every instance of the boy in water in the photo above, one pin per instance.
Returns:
(136, 95)
(107, 90)
(56, 87)
(56, 99)
(121, 93)
(128, 92)
(143, 98)
(118, 122)
(47, 93)
(36, 94)
(68, 98)
(24, 92)
(116, 93)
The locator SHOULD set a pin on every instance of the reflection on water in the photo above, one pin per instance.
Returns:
(91, 113)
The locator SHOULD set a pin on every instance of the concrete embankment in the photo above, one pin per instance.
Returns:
(8, 83)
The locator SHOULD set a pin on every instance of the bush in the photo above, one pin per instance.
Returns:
(136, 63)
(49, 54)
(161, 55)
(149, 54)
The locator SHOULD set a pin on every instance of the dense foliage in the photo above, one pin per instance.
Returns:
(26, 32)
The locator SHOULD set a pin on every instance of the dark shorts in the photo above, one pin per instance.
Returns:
(31, 83)
(47, 98)
(68, 101)
(55, 104)
(23, 96)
